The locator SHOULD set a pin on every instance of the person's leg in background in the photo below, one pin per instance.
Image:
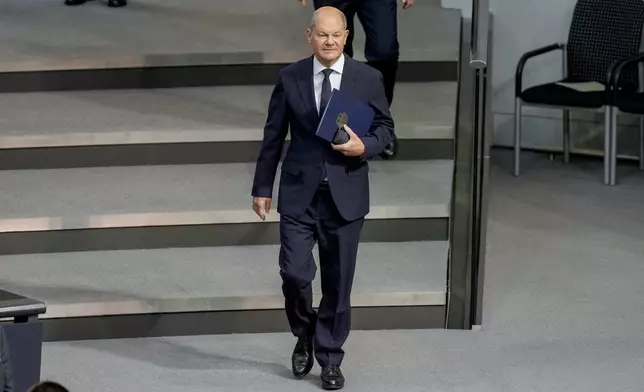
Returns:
(379, 21)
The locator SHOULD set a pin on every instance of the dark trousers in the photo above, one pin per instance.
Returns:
(379, 21)
(338, 247)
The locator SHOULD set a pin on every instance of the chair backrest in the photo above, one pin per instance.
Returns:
(603, 31)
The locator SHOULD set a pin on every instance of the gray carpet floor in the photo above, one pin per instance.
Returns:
(564, 309)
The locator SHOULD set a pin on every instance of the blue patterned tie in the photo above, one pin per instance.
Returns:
(324, 100)
(326, 90)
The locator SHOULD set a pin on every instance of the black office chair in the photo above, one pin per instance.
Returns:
(621, 101)
(602, 33)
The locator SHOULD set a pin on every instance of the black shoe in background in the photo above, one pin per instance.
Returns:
(117, 3)
(302, 359)
(332, 378)
(391, 150)
(75, 2)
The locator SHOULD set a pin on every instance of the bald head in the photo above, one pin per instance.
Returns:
(328, 34)
(328, 14)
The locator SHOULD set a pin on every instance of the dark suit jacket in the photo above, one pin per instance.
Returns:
(293, 104)
(6, 369)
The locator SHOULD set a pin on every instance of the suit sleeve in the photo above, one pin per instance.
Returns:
(382, 129)
(5, 363)
(275, 132)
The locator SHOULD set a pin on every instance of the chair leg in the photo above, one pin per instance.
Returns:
(608, 125)
(642, 143)
(517, 136)
(566, 135)
(613, 147)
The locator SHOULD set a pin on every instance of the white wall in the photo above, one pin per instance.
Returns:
(520, 26)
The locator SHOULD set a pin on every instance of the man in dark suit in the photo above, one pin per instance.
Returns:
(379, 21)
(6, 368)
(323, 190)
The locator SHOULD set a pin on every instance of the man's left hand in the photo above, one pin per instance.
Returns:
(353, 148)
(407, 3)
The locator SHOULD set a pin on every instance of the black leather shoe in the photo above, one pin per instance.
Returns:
(117, 3)
(332, 378)
(391, 150)
(302, 359)
(75, 2)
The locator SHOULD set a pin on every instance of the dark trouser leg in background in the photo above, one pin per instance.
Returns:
(380, 24)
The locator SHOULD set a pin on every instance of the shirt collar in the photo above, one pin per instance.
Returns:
(337, 67)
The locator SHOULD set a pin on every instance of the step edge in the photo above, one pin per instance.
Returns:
(145, 62)
(191, 218)
(127, 138)
(233, 303)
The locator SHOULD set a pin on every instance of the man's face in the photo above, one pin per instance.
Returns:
(328, 38)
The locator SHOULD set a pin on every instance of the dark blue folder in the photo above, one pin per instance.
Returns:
(344, 109)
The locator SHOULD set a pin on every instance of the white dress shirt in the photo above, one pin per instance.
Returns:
(318, 77)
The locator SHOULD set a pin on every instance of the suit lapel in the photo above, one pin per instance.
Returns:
(349, 76)
(305, 86)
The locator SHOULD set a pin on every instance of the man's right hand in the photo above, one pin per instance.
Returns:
(303, 2)
(262, 205)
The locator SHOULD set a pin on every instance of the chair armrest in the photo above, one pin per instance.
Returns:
(15, 305)
(615, 72)
(524, 59)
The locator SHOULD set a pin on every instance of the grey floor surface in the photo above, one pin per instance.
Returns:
(44, 34)
(422, 110)
(84, 277)
(564, 309)
(78, 197)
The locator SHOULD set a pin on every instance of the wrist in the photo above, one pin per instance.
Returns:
(362, 150)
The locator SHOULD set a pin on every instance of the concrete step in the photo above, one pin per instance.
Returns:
(134, 207)
(155, 44)
(185, 125)
(117, 283)
(157, 33)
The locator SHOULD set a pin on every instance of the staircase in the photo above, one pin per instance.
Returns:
(127, 143)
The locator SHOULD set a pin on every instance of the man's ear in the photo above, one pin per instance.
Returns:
(309, 34)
